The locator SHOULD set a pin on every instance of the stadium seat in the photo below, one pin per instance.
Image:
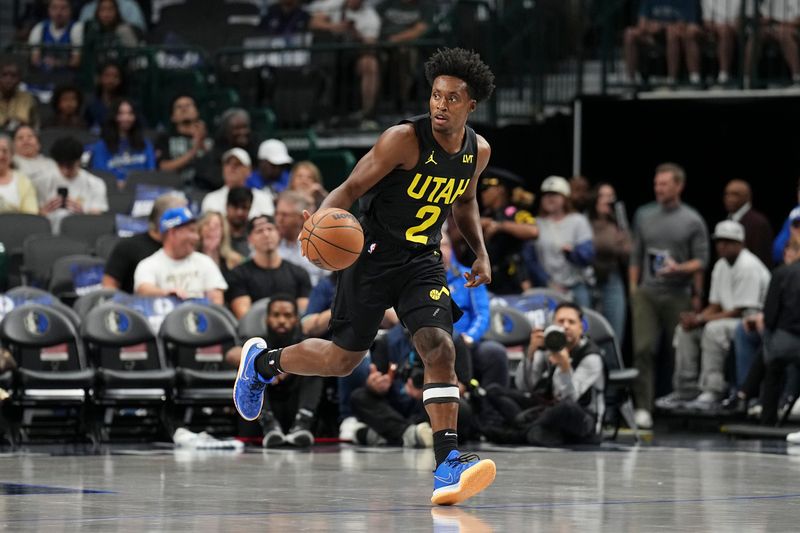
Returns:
(87, 228)
(48, 136)
(508, 326)
(253, 323)
(85, 303)
(84, 270)
(131, 371)
(14, 229)
(105, 244)
(39, 252)
(620, 379)
(52, 381)
(120, 202)
(161, 178)
(25, 294)
(195, 338)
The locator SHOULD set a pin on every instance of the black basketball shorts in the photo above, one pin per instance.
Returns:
(386, 275)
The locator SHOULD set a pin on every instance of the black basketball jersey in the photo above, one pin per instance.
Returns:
(410, 206)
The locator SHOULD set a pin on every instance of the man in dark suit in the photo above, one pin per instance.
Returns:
(758, 233)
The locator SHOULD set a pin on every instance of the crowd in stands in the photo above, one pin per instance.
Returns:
(730, 32)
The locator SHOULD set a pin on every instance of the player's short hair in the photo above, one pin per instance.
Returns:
(465, 65)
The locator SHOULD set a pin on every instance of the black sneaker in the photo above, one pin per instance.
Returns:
(300, 434)
(273, 434)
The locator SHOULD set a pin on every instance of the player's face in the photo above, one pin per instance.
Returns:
(450, 104)
(281, 318)
(571, 322)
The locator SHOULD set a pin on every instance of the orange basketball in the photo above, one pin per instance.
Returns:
(332, 239)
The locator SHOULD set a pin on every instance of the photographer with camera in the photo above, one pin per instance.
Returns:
(560, 386)
(390, 403)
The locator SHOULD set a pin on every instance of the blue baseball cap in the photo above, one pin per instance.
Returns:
(175, 217)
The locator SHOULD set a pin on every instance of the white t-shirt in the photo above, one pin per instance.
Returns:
(196, 273)
(573, 229)
(39, 169)
(75, 34)
(721, 11)
(217, 201)
(86, 189)
(742, 285)
(9, 195)
(366, 20)
(781, 10)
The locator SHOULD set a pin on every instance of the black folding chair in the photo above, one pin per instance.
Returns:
(254, 322)
(39, 252)
(87, 228)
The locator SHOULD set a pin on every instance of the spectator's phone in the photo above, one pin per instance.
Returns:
(63, 192)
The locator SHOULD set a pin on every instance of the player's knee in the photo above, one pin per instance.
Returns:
(435, 347)
(345, 363)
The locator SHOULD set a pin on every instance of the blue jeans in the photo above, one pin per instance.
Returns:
(348, 384)
(745, 348)
(612, 303)
(581, 294)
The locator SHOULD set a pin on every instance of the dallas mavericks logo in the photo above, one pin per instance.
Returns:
(196, 323)
(117, 322)
(36, 323)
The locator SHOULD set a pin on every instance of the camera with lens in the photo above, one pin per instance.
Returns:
(413, 369)
(555, 338)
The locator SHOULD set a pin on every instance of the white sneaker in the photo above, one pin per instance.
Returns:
(348, 428)
(793, 438)
(418, 436)
(643, 419)
(184, 438)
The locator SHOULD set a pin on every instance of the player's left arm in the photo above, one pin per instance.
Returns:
(467, 218)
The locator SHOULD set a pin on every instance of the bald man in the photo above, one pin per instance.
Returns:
(757, 230)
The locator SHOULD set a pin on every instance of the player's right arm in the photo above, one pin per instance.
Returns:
(397, 147)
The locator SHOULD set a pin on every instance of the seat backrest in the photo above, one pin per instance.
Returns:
(42, 338)
(197, 336)
(537, 304)
(25, 294)
(160, 178)
(253, 323)
(120, 338)
(601, 332)
(85, 303)
(16, 227)
(508, 326)
(87, 228)
(105, 244)
(76, 275)
(39, 252)
(48, 136)
(120, 202)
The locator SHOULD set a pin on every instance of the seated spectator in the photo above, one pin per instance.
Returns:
(58, 29)
(668, 18)
(488, 358)
(790, 229)
(234, 132)
(286, 18)
(110, 86)
(703, 340)
(215, 242)
(289, 221)
(720, 22)
(67, 106)
(236, 166)
(29, 160)
(273, 167)
(403, 21)
(612, 247)
(127, 254)
(107, 31)
(237, 212)
(307, 179)
(180, 148)
(758, 232)
(779, 23)
(580, 194)
(354, 21)
(122, 146)
(129, 11)
(266, 273)
(177, 269)
(564, 247)
(71, 190)
(17, 107)
(561, 389)
(291, 401)
(390, 402)
(505, 229)
(17, 193)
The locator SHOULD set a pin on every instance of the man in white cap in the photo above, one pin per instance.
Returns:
(738, 286)
(273, 167)
(177, 269)
(236, 167)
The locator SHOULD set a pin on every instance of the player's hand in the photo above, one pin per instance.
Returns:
(480, 274)
(306, 216)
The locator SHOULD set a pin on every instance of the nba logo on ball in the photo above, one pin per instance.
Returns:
(332, 239)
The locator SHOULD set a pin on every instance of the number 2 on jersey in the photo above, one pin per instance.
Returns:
(432, 213)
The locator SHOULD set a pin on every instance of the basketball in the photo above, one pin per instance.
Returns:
(332, 239)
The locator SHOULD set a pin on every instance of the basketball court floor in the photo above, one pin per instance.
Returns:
(692, 485)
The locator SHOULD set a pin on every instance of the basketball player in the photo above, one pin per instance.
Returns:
(406, 184)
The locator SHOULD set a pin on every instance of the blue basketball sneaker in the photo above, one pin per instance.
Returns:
(460, 477)
(248, 390)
